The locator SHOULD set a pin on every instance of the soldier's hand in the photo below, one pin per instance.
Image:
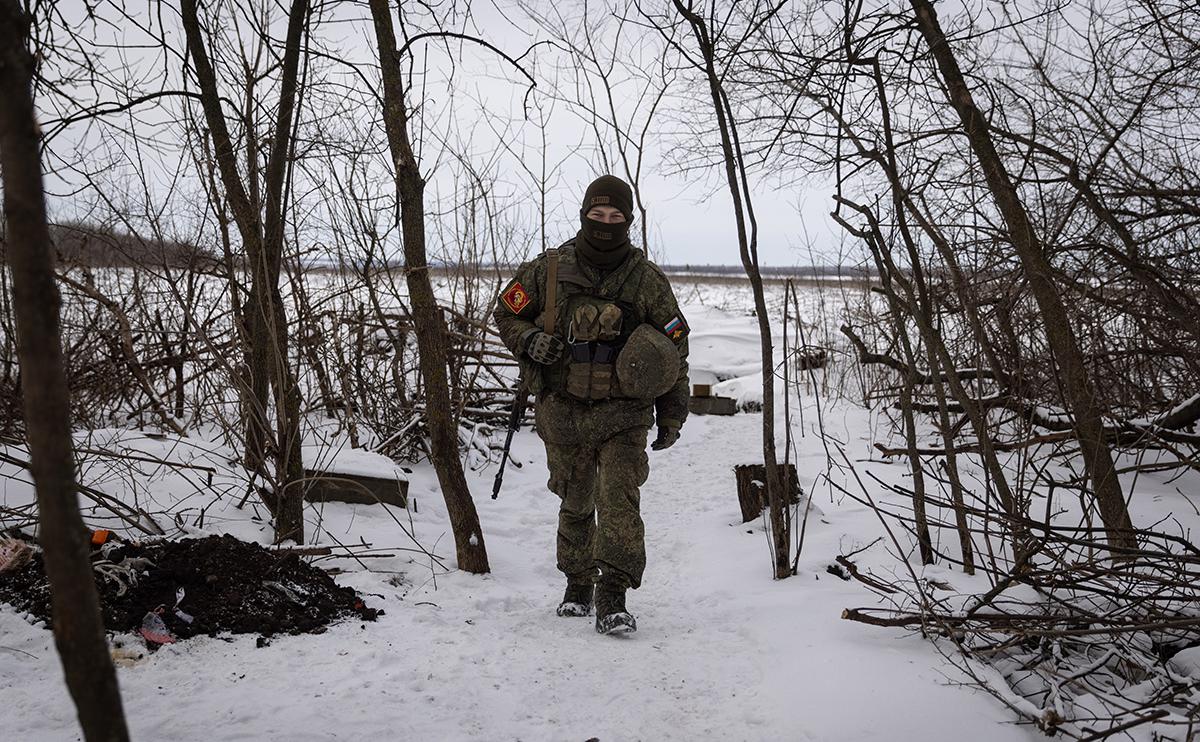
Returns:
(544, 348)
(666, 438)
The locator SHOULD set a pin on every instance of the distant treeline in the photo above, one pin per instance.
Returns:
(91, 245)
(795, 271)
(697, 269)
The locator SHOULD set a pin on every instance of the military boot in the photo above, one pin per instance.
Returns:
(577, 600)
(611, 616)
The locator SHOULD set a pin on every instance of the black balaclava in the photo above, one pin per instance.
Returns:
(605, 246)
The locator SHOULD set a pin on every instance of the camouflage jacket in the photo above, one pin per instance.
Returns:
(637, 285)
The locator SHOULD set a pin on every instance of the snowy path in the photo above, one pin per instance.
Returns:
(723, 652)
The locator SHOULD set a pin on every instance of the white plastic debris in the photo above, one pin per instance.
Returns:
(121, 575)
(286, 591)
(187, 618)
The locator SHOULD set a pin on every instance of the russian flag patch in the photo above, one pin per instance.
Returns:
(675, 328)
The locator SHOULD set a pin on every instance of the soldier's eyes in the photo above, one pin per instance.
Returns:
(615, 218)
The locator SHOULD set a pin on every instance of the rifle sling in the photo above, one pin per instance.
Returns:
(549, 310)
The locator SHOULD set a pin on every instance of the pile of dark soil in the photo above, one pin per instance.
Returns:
(220, 583)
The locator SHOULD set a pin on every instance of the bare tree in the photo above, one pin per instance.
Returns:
(430, 324)
(617, 82)
(262, 233)
(78, 626)
(1079, 388)
(747, 232)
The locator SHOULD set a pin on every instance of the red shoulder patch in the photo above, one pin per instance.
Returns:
(516, 298)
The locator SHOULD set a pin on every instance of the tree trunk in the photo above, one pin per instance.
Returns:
(1080, 392)
(951, 464)
(289, 465)
(78, 627)
(920, 516)
(249, 396)
(427, 316)
(265, 315)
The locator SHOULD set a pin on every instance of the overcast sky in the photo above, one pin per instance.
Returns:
(691, 217)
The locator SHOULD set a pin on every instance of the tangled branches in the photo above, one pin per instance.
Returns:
(1078, 637)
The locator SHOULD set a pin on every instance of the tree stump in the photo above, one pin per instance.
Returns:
(752, 487)
(810, 357)
(354, 488)
(712, 406)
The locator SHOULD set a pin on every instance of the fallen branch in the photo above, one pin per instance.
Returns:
(865, 579)
(867, 357)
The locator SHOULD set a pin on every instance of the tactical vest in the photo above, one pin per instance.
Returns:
(594, 319)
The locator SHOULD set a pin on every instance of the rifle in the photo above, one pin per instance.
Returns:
(520, 402)
(521, 398)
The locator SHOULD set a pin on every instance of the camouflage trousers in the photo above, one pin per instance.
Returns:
(596, 454)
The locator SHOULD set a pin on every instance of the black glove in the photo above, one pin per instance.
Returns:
(544, 348)
(666, 438)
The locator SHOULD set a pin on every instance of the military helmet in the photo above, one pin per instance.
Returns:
(648, 365)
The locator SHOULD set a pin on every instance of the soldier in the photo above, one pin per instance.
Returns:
(603, 347)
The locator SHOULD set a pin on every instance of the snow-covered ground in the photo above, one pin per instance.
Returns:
(723, 651)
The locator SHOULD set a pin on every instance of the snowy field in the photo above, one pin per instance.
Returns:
(723, 652)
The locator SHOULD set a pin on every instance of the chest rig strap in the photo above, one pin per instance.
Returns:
(549, 306)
